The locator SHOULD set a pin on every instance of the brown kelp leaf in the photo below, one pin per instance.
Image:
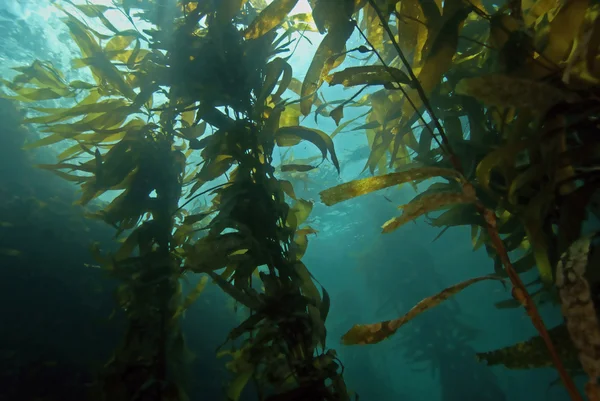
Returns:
(533, 352)
(368, 75)
(297, 167)
(323, 61)
(288, 188)
(269, 18)
(316, 137)
(424, 205)
(364, 186)
(504, 91)
(578, 306)
(337, 114)
(373, 333)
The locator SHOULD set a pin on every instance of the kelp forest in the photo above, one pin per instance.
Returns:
(173, 165)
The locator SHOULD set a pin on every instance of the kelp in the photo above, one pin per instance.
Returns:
(507, 117)
(532, 353)
(374, 333)
(114, 149)
(508, 127)
(579, 310)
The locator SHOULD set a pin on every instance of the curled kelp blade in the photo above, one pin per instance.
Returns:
(361, 334)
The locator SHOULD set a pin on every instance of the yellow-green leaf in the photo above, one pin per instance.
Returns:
(424, 205)
(323, 61)
(269, 18)
(192, 296)
(364, 186)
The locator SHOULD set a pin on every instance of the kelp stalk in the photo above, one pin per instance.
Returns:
(490, 219)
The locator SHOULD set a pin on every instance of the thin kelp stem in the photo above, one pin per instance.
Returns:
(490, 219)
(408, 99)
(416, 84)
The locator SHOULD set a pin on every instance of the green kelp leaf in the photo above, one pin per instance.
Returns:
(500, 159)
(77, 84)
(269, 18)
(301, 241)
(192, 296)
(41, 74)
(34, 94)
(100, 65)
(236, 293)
(327, 55)
(364, 186)
(274, 69)
(239, 382)
(368, 75)
(343, 125)
(56, 115)
(299, 212)
(316, 137)
(504, 91)
(424, 205)
(533, 352)
(47, 140)
(373, 333)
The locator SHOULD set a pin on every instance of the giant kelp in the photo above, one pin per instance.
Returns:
(206, 83)
(199, 62)
(509, 99)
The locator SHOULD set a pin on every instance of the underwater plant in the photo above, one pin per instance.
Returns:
(504, 98)
(177, 75)
(496, 103)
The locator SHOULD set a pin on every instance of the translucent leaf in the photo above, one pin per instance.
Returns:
(269, 18)
(364, 186)
(323, 61)
(192, 296)
(424, 205)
